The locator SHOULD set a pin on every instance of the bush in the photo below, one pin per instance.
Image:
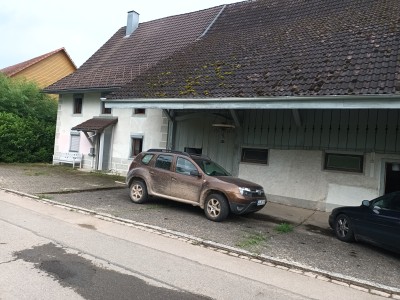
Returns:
(27, 122)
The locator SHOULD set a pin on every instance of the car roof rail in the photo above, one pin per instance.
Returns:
(168, 151)
(200, 155)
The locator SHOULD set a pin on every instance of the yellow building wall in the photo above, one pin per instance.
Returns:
(48, 70)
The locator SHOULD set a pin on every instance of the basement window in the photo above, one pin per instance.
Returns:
(344, 162)
(255, 155)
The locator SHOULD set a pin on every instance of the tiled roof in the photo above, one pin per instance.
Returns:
(285, 48)
(95, 124)
(15, 69)
(121, 59)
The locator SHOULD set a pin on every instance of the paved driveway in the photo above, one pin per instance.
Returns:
(308, 245)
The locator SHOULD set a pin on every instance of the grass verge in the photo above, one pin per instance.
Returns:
(284, 228)
(252, 241)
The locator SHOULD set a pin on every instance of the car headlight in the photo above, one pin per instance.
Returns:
(245, 191)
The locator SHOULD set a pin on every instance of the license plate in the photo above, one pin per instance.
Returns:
(260, 202)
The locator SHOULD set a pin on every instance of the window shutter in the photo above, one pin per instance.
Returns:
(75, 140)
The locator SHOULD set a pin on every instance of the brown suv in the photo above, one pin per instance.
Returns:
(192, 179)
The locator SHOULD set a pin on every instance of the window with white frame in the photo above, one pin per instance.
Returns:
(104, 109)
(74, 141)
(78, 101)
(344, 162)
(136, 144)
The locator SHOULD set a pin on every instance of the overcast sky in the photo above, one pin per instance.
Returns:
(30, 28)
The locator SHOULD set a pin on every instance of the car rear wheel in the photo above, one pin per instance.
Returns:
(216, 208)
(344, 229)
(138, 191)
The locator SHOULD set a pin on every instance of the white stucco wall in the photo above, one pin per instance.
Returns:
(152, 126)
(297, 177)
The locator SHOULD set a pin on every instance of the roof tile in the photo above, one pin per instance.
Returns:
(95, 124)
(122, 58)
(314, 47)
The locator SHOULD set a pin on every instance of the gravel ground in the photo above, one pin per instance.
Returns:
(311, 246)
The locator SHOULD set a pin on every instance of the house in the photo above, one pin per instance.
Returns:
(302, 97)
(44, 69)
(110, 138)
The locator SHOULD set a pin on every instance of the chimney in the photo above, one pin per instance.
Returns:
(132, 23)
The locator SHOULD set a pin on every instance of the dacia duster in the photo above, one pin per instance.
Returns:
(192, 179)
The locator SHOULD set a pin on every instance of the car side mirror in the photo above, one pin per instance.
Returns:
(365, 203)
(195, 173)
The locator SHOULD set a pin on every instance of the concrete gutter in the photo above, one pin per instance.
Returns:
(284, 102)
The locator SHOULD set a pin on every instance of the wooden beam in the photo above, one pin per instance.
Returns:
(235, 118)
(90, 138)
(297, 117)
(167, 114)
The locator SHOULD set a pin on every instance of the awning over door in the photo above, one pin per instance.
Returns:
(95, 124)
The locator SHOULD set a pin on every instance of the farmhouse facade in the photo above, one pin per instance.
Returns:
(302, 97)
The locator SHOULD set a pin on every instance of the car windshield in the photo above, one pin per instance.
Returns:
(211, 168)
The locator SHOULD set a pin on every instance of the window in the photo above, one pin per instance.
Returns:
(164, 162)
(389, 201)
(139, 111)
(147, 158)
(254, 155)
(210, 168)
(78, 99)
(196, 151)
(74, 141)
(344, 162)
(104, 110)
(136, 145)
(183, 166)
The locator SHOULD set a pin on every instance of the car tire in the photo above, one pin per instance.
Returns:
(216, 208)
(344, 229)
(138, 191)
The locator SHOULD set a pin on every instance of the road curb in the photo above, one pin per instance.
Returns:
(290, 266)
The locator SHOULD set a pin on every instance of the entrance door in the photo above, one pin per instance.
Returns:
(392, 177)
(105, 149)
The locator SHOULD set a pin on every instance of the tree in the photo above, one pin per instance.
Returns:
(27, 122)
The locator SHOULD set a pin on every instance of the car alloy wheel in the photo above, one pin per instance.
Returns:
(216, 207)
(344, 229)
(138, 191)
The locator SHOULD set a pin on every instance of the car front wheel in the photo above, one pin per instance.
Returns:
(216, 208)
(344, 229)
(138, 191)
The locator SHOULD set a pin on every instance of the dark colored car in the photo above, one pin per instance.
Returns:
(376, 221)
(192, 179)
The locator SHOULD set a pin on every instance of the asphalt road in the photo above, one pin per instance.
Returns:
(47, 252)
(313, 247)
